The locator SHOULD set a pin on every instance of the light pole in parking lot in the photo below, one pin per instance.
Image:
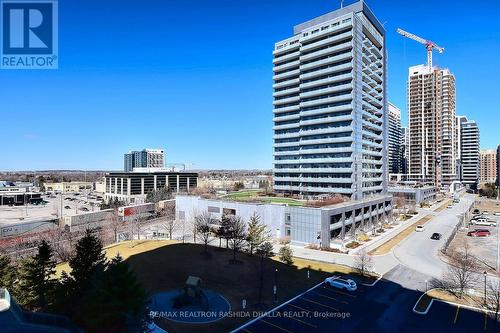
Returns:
(484, 288)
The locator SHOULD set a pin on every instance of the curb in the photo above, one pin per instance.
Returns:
(374, 282)
(470, 307)
(423, 313)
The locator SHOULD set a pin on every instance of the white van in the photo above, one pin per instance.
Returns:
(483, 221)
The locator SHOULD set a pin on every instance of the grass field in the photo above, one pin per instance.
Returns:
(387, 246)
(165, 265)
(251, 195)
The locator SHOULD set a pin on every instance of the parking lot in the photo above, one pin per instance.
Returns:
(71, 204)
(484, 249)
(386, 307)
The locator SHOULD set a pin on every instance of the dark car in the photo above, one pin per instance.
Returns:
(67, 207)
(479, 233)
(436, 236)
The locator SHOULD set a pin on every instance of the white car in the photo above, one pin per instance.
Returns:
(497, 214)
(483, 221)
(345, 284)
(419, 228)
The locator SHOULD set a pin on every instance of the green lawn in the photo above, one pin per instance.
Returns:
(251, 195)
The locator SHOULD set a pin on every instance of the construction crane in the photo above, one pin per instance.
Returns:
(428, 45)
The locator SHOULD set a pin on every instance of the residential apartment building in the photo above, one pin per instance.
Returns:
(432, 126)
(468, 152)
(498, 169)
(405, 150)
(394, 139)
(146, 158)
(488, 166)
(330, 106)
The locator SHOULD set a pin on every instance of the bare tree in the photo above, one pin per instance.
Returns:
(461, 269)
(59, 240)
(168, 220)
(363, 262)
(237, 234)
(493, 298)
(203, 226)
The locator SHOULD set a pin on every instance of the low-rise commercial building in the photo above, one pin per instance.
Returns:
(414, 195)
(132, 187)
(13, 193)
(328, 226)
(69, 187)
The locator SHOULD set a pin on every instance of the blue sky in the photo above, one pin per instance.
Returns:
(194, 78)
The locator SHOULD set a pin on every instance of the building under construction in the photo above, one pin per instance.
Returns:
(433, 135)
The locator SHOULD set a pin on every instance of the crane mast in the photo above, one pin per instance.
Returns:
(429, 45)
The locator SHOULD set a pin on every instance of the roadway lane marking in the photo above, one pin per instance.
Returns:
(245, 330)
(278, 327)
(317, 303)
(456, 315)
(485, 321)
(338, 300)
(339, 292)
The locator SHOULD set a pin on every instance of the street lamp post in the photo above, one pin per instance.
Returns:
(484, 288)
(426, 289)
(275, 289)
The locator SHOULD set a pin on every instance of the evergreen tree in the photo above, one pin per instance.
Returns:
(86, 264)
(7, 273)
(88, 260)
(35, 286)
(257, 233)
(118, 301)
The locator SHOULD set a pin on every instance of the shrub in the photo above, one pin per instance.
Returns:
(286, 254)
(352, 245)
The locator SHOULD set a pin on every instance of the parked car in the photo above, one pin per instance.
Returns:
(483, 221)
(85, 209)
(67, 207)
(479, 233)
(476, 211)
(449, 206)
(345, 284)
(485, 212)
(419, 228)
(497, 214)
(436, 236)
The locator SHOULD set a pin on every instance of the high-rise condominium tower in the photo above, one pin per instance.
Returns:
(405, 150)
(146, 158)
(330, 106)
(488, 166)
(433, 135)
(394, 139)
(468, 152)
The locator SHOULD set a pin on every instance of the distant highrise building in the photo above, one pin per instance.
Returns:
(467, 152)
(146, 158)
(498, 167)
(433, 136)
(498, 170)
(405, 149)
(330, 106)
(394, 139)
(488, 166)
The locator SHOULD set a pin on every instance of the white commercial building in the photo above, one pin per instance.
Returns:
(328, 226)
(330, 106)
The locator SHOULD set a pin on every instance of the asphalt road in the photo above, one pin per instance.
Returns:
(421, 253)
(385, 307)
